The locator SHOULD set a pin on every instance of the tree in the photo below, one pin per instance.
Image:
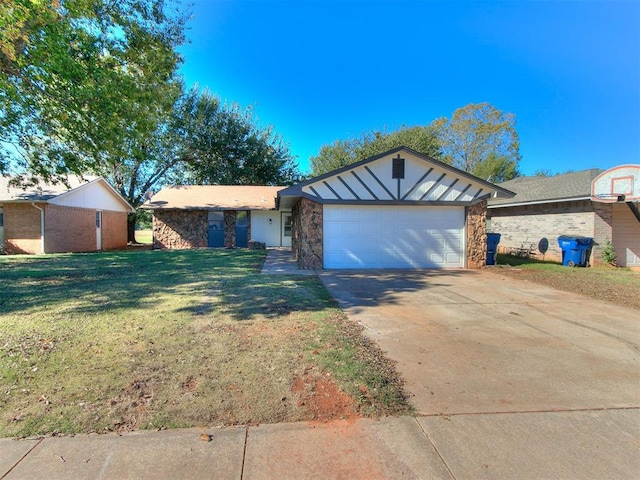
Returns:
(345, 152)
(228, 147)
(81, 80)
(201, 141)
(481, 140)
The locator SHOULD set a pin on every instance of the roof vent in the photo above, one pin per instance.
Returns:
(397, 170)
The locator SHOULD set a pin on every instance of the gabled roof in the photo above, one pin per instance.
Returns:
(214, 197)
(370, 181)
(40, 192)
(61, 194)
(566, 187)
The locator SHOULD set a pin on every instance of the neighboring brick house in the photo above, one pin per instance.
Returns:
(87, 215)
(200, 216)
(546, 207)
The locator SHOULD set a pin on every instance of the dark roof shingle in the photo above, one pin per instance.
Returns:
(543, 189)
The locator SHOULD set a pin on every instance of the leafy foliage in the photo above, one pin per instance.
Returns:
(478, 139)
(83, 80)
(608, 253)
(481, 140)
(224, 145)
(345, 152)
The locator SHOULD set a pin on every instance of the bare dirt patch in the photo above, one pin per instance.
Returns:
(321, 398)
(613, 285)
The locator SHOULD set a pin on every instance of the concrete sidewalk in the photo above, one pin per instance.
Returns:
(576, 445)
(280, 260)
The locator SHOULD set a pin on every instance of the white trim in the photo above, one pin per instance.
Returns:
(537, 202)
(41, 226)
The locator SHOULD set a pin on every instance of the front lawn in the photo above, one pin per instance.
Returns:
(616, 285)
(158, 339)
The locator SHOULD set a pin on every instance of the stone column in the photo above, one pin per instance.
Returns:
(229, 228)
(306, 236)
(477, 235)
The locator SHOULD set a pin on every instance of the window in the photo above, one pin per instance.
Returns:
(287, 225)
(1, 218)
(216, 220)
(98, 219)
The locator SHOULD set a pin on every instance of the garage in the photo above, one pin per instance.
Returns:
(397, 209)
(393, 237)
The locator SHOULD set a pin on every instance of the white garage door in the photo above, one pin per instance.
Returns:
(393, 237)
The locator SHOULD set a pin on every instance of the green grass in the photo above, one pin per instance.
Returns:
(144, 236)
(147, 339)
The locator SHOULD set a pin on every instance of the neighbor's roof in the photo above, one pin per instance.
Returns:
(41, 192)
(214, 197)
(569, 186)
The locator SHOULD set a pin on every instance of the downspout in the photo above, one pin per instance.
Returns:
(41, 226)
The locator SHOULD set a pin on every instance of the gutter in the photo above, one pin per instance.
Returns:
(41, 226)
(536, 202)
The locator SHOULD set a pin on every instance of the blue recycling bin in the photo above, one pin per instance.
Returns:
(576, 251)
(493, 239)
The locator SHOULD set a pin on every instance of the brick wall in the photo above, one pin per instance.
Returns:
(180, 229)
(306, 234)
(602, 229)
(539, 223)
(114, 230)
(22, 228)
(477, 235)
(69, 229)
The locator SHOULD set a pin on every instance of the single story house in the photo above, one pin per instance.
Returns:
(87, 215)
(547, 207)
(197, 216)
(399, 209)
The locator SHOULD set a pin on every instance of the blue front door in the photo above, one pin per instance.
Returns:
(216, 230)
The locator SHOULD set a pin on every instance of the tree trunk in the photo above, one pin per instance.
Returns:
(131, 228)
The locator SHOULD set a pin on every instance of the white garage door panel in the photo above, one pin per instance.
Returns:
(393, 237)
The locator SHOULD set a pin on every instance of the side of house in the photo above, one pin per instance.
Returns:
(546, 207)
(86, 216)
(213, 216)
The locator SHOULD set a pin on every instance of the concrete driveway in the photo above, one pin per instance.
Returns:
(476, 342)
(509, 379)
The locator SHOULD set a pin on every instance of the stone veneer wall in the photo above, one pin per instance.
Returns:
(306, 234)
(477, 235)
(229, 228)
(180, 228)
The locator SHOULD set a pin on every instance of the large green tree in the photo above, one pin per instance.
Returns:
(201, 141)
(83, 80)
(346, 152)
(226, 145)
(482, 140)
(478, 139)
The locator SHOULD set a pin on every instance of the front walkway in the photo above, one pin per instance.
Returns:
(280, 261)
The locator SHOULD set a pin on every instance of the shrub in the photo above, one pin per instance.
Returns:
(608, 253)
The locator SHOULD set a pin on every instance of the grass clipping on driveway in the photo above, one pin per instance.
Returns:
(162, 339)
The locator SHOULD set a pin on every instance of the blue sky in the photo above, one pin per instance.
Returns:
(320, 71)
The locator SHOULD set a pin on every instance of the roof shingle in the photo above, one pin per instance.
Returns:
(214, 197)
(543, 189)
